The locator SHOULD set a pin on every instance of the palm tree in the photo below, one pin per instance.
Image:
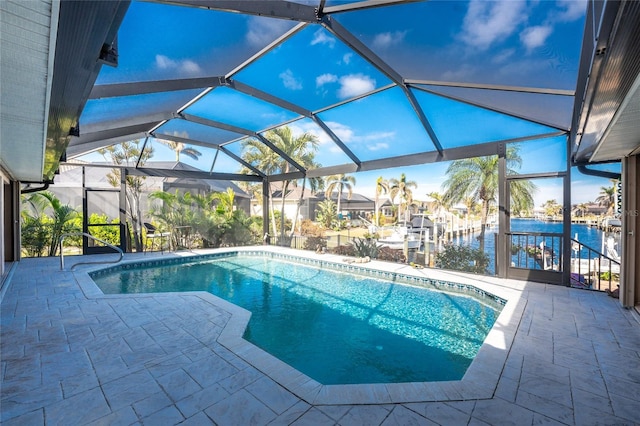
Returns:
(267, 161)
(439, 204)
(326, 212)
(470, 204)
(128, 154)
(181, 148)
(402, 187)
(315, 184)
(300, 149)
(607, 196)
(226, 201)
(552, 208)
(382, 187)
(340, 182)
(582, 208)
(62, 216)
(477, 178)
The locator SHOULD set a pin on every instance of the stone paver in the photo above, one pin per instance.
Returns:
(70, 355)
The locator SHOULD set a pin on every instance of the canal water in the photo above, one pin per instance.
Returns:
(589, 236)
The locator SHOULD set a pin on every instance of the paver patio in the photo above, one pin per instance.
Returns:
(72, 356)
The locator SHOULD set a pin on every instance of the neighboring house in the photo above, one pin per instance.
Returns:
(358, 206)
(595, 209)
(291, 201)
(68, 187)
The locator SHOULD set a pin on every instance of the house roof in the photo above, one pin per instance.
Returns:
(71, 176)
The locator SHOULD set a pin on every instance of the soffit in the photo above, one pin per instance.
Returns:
(608, 127)
(25, 78)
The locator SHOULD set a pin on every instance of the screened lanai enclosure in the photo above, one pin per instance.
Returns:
(265, 96)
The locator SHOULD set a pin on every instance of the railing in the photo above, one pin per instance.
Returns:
(536, 250)
(300, 242)
(76, 234)
(591, 269)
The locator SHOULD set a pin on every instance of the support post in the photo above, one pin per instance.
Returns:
(503, 214)
(566, 221)
(629, 267)
(124, 234)
(265, 209)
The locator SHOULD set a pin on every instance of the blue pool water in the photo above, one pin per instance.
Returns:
(335, 327)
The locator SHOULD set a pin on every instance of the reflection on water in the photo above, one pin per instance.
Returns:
(589, 236)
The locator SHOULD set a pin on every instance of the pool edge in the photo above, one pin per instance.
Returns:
(479, 382)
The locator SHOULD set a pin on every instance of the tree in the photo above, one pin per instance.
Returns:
(326, 213)
(402, 187)
(607, 196)
(315, 184)
(177, 210)
(581, 208)
(470, 204)
(300, 149)
(477, 178)
(129, 154)
(213, 217)
(61, 219)
(438, 204)
(382, 187)
(226, 202)
(181, 148)
(266, 160)
(552, 208)
(340, 182)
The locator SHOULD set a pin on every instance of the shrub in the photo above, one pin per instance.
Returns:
(313, 243)
(310, 229)
(382, 219)
(607, 276)
(366, 247)
(390, 255)
(462, 258)
(344, 250)
(36, 234)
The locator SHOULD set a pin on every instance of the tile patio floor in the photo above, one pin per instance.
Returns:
(72, 356)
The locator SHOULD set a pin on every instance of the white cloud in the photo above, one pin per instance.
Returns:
(355, 84)
(462, 73)
(571, 9)
(321, 37)
(534, 37)
(378, 135)
(378, 146)
(290, 81)
(374, 141)
(388, 39)
(489, 22)
(346, 58)
(503, 56)
(183, 67)
(323, 79)
(163, 62)
(263, 31)
(343, 132)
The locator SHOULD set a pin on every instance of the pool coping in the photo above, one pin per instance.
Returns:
(479, 382)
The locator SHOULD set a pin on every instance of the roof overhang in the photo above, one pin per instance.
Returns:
(606, 125)
(47, 80)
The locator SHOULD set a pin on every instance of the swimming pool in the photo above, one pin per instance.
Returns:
(335, 326)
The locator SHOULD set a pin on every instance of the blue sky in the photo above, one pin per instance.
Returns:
(535, 43)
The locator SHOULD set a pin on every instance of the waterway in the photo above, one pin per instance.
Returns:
(589, 236)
